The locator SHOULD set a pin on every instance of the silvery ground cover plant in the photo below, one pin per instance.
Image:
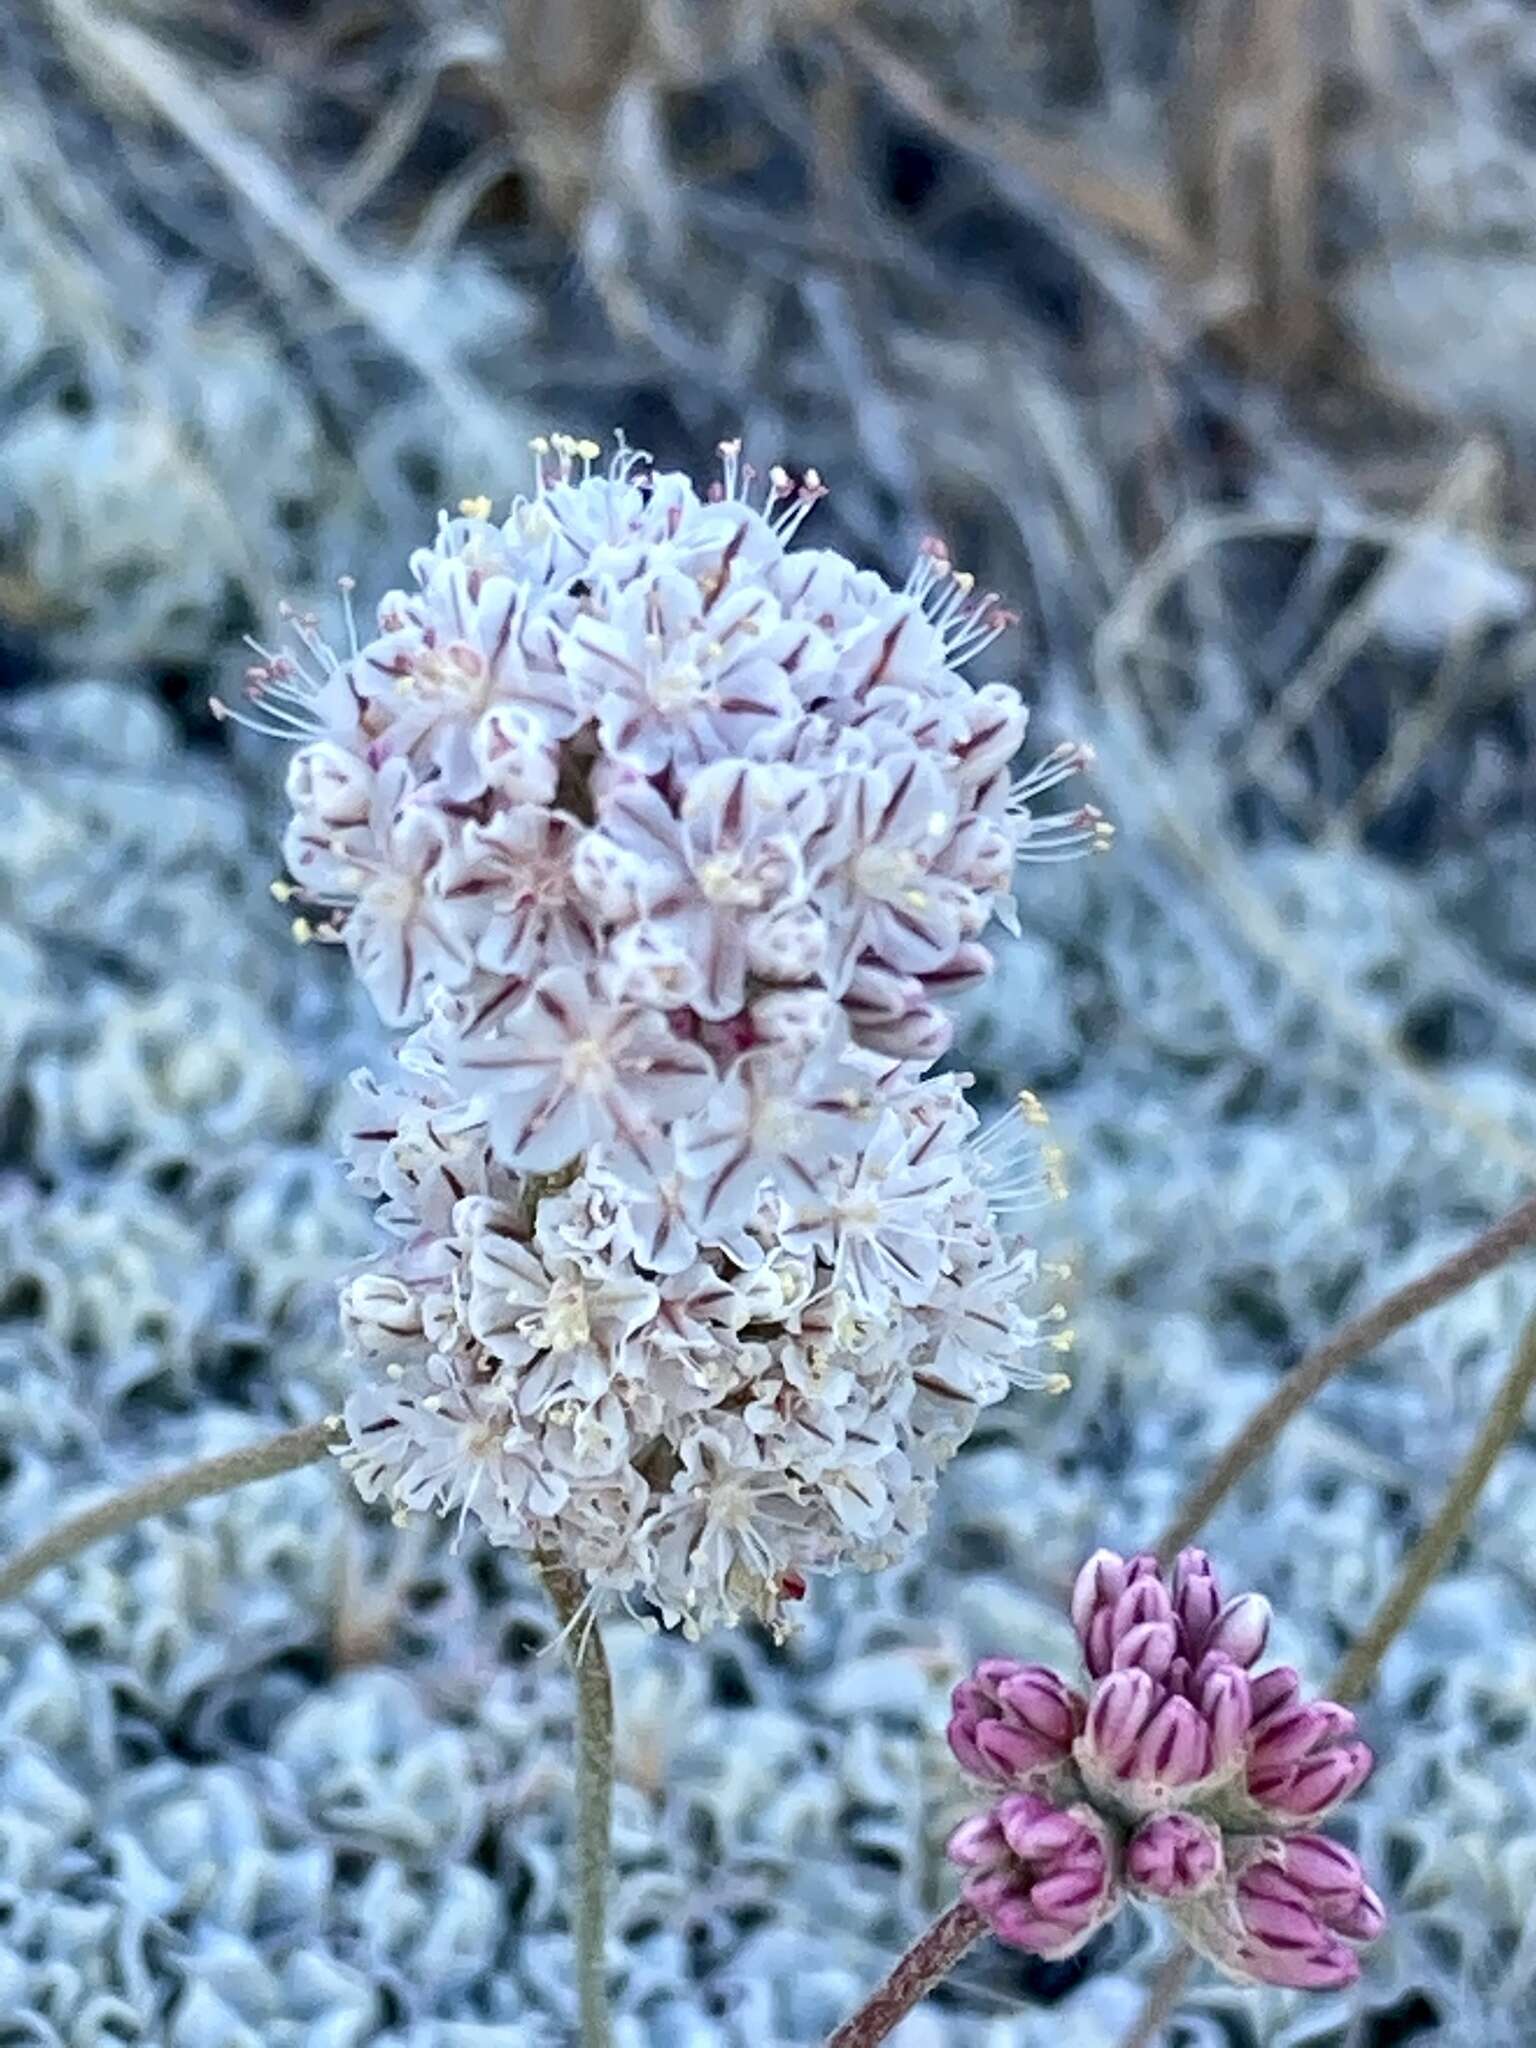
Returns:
(665, 844)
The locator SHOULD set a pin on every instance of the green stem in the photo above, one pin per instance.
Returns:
(165, 1493)
(594, 1798)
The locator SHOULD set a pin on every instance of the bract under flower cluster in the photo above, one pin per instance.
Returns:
(663, 840)
(1183, 1778)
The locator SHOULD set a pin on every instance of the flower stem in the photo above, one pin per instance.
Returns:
(1512, 1233)
(594, 1798)
(1421, 1567)
(1163, 1996)
(163, 1494)
(926, 1963)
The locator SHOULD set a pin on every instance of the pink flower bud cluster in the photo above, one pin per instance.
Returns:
(663, 840)
(1197, 1778)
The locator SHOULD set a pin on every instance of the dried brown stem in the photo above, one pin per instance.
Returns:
(1512, 1233)
(1356, 1675)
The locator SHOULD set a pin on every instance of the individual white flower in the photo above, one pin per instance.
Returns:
(675, 673)
(718, 1537)
(432, 1439)
(882, 1231)
(514, 874)
(568, 1070)
(715, 878)
(449, 655)
(562, 1319)
(652, 1211)
(381, 877)
(771, 1123)
(880, 890)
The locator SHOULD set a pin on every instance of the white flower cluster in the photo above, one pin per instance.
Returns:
(662, 839)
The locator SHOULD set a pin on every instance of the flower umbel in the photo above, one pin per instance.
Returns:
(663, 841)
(1198, 1774)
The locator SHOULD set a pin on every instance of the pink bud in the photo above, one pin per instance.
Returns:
(1040, 1700)
(1150, 1645)
(1241, 1629)
(1174, 1856)
(1332, 1880)
(992, 1673)
(1196, 1597)
(1175, 1747)
(1099, 1584)
(1293, 1902)
(1226, 1700)
(1273, 1691)
(1120, 1708)
(1043, 1876)
(1143, 1600)
(1099, 1642)
(1007, 1754)
(1009, 1721)
(1295, 1731)
(1308, 1789)
(978, 1844)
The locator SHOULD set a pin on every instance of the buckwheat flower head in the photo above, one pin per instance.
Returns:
(1202, 1778)
(661, 840)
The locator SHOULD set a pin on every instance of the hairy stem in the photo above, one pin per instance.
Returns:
(926, 1963)
(163, 1494)
(594, 1798)
(1163, 1996)
(1512, 1233)
(1422, 1566)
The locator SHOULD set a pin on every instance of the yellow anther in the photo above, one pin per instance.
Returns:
(283, 892)
(475, 508)
(1058, 1383)
(303, 931)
